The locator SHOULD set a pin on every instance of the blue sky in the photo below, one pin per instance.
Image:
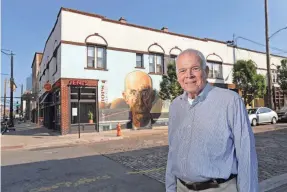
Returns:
(27, 24)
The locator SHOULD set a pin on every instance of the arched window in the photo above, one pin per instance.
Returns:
(174, 52)
(96, 51)
(214, 63)
(156, 59)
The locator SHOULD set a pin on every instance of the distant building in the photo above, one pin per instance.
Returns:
(35, 85)
(29, 83)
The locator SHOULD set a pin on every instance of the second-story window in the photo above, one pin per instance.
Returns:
(173, 58)
(96, 57)
(55, 55)
(91, 56)
(139, 60)
(215, 69)
(156, 63)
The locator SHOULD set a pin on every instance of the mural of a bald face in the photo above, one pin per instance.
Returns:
(139, 95)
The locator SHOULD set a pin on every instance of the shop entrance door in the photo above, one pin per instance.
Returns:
(51, 123)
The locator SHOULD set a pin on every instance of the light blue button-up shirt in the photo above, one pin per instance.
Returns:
(211, 138)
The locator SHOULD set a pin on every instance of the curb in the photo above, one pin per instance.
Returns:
(72, 140)
(273, 183)
(5, 148)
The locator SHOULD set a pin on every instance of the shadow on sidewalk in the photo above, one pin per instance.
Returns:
(33, 130)
(89, 173)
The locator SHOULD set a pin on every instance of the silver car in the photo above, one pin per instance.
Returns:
(262, 115)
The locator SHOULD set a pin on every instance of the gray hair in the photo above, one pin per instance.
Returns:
(192, 51)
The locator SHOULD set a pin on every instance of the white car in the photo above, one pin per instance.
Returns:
(262, 115)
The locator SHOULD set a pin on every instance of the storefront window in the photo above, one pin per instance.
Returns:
(84, 110)
(87, 104)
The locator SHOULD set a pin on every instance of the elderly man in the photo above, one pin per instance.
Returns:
(211, 143)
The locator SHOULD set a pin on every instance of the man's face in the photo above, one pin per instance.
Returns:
(138, 93)
(190, 75)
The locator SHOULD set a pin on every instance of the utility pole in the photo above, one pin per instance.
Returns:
(5, 82)
(269, 90)
(11, 93)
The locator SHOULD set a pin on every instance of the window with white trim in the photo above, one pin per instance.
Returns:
(215, 69)
(139, 60)
(96, 57)
(156, 63)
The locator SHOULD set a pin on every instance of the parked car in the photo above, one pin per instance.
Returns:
(262, 115)
(282, 114)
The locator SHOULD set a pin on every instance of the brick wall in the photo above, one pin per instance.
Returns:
(65, 102)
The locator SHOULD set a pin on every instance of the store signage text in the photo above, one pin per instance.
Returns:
(78, 82)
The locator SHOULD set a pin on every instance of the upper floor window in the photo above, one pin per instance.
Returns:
(96, 57)
(274, 76)
(215, 69)
(156, 63)
(55, 57)
(173, 58)
(139, 60)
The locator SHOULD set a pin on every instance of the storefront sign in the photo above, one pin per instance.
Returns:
(78, 83)
(104, 90)
(48, 87)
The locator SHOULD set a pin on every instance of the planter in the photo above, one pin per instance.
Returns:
(91, 121)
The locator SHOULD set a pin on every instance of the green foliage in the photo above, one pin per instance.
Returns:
(90, 115)
(282, 75)
(169, 87)
(245, 77)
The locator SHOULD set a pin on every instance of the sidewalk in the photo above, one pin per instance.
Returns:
(30, 136)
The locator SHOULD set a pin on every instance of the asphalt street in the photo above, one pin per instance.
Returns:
(131, 164)
(55, 170)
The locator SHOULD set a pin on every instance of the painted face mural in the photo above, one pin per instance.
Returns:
(139, 95)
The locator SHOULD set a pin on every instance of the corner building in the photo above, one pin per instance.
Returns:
(119, 67)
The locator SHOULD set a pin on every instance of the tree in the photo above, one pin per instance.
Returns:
(169, 87)
(245, 77)
(282, 75)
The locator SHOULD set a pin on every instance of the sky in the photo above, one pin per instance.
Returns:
(26, 24)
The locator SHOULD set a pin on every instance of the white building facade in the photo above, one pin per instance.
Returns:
(105, 57)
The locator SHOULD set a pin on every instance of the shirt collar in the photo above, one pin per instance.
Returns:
(201, 96)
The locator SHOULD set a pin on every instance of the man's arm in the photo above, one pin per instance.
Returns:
(247, 179)
(170, 179)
